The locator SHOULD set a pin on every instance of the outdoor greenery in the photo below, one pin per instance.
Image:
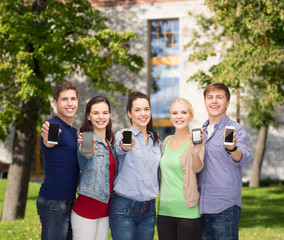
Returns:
(247, 37)
(43, 43)
(262, 215)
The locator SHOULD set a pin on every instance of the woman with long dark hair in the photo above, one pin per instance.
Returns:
(91, 209)
(132, 210)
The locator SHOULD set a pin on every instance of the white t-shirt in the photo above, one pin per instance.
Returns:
(210, 130)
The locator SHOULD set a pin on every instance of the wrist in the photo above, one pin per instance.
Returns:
(231, 150)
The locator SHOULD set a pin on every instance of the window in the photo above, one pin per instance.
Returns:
(164, 71)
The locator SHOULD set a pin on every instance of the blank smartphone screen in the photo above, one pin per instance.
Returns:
(127, 136)
(87, 142)
(53, 133)
(229, 135)
(196, 136)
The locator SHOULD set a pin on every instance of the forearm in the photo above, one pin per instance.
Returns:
(237, 155)
(196, 161)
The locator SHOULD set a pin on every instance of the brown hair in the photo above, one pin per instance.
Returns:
(87, 125)
(60, 87)
(217, 86)
(132, 97)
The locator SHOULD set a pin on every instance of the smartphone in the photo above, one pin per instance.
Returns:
(229, 135)
(196, 138)
(87, 142)
(127, 138)
(53, 133)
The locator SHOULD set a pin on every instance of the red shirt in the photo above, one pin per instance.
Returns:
(91, 208)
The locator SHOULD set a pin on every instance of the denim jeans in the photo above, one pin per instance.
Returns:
(55, 217)
(222, 226)
(131, 219)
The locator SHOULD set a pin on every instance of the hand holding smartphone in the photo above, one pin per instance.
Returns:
(87, 142)
(127, 138)
(229, 135)
(53, 131)
(196, 138)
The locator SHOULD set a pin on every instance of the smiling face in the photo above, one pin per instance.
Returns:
(216, 104)
(180, 115)
(66, 105)
(99, 116)
(140, 113)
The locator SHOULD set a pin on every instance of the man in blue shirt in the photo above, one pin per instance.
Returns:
(58, 190)
(220, 181)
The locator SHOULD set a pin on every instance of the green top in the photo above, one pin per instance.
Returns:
(172, 202)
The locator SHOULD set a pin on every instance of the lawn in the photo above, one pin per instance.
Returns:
(262, 215)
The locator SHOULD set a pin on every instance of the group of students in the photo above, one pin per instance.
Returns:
(199, 185)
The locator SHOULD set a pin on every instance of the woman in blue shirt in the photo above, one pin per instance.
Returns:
(132, 209)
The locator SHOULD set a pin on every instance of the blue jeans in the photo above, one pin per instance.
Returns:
(129, 219)
(222, 226)
(55, 217)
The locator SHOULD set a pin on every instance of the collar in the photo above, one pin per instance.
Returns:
(65, 124)
(136, 132)
(95, 136)
(221, 124)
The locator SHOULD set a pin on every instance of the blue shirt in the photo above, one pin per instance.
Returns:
(137, 177)
(60, 165)
(220, 181)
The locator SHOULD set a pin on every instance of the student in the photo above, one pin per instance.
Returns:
(132, 209)
(178, 216)
(221, 178)
(91, 209)
(58, 190)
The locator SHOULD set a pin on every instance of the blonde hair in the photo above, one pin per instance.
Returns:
(185, 102)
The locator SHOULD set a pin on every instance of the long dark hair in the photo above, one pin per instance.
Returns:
(132, 97)
(87, 125)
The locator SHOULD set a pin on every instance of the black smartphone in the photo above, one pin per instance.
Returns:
(87, 142)
(229, 135)
(53, 133)
(196, 138)
(127, 138)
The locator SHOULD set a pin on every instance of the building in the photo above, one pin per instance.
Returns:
(164, 27)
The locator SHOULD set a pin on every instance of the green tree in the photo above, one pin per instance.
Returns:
(42, 42)
(248, 38)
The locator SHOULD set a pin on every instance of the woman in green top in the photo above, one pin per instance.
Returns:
(178, 216)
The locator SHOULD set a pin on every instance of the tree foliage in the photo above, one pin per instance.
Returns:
(248, 37)
(43, 41)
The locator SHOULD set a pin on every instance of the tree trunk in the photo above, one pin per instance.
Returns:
(24, 145)
(19, 172)
(258, 159)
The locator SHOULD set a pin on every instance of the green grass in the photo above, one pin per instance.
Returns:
(28, 228)
(262, 215)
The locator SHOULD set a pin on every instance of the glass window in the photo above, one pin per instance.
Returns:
(164, 131)
(165, 70)
(164, 38)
